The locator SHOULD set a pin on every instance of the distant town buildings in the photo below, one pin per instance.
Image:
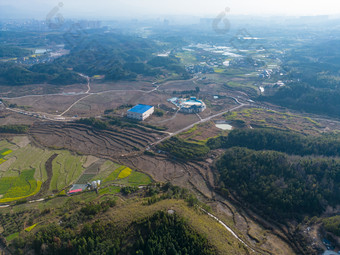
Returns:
(140, 112)
(199, 69)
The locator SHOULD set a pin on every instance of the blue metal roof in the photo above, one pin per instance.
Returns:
(140, 108)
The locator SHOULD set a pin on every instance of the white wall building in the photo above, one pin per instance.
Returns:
(140, 112)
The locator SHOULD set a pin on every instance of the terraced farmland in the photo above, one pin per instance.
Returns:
(3, 153)
(125, 175)
(26, 169)
(115, 143)
(66, 168)
(22, 186)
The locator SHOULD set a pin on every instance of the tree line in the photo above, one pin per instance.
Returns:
(14, 129)
(283, 141)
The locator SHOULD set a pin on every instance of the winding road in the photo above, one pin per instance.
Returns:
(87, 93)
(199, 122)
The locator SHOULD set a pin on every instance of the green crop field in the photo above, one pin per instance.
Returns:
(24, 185)
(107, 169)
(85, 178)
(126, 176)
(23, 170)
(270, 119)
(12, 236)
(66, 169)
(28, 157)
(137, 178)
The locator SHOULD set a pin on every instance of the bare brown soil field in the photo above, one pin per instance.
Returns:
(101, 143)
(216, 105)
(178, 122)
(201, 132)
(39, 89)
(53, 104)
(9, 117)
(155, 98)
(120, 85)
(171, 86)
(98, 103)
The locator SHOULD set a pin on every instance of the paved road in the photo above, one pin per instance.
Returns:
(200, 121)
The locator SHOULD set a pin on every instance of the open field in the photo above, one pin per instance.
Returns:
(121, 85)
(47, 104)
(175, 122)
(39, 89)
(66, 168)
(231, 80)
(124, 175)
(106, 169)
(201, 132)
(19, 187)
(96, 104)
(255, 117)
(28, 157)
(9, 117)
(111, 173)
(178, 86)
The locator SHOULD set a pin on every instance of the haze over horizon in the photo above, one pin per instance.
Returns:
(104, 9)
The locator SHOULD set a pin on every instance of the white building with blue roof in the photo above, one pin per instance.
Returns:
(140, 112)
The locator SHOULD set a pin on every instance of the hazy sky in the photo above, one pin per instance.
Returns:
(136, 8)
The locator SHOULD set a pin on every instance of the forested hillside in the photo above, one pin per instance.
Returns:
(313, 79)
(161, 233)
(116, 56)
(284, 141)
(280, 185)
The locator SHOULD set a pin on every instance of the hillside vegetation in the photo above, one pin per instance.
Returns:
(162, 233)
(280, 185)
(116, 56)
(284, 141)
(313, 79)
(91, 223)
(181, 149)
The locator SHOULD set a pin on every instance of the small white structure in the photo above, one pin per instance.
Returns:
(140, 112)
(95, 184)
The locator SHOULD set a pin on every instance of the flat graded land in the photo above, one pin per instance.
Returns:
(255, 117)
(201, 132)
(39, 89)
(97, 86)
(54, 104)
